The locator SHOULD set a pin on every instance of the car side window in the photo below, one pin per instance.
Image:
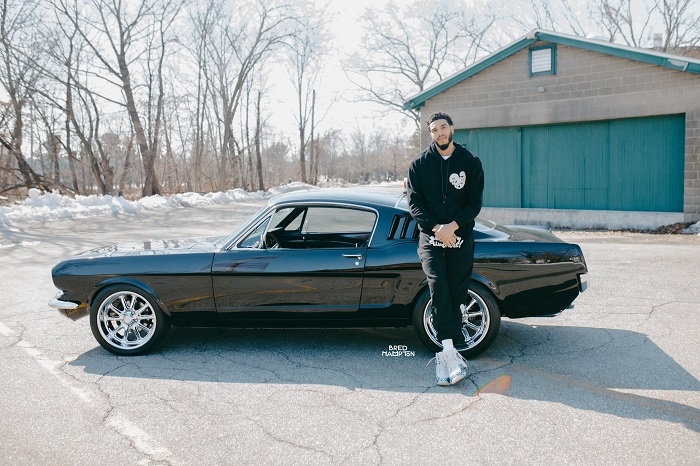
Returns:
(336, 227)
(320, 227)
(339, 220)
(288, 219)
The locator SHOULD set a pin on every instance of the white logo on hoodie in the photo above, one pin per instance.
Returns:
(458, 180)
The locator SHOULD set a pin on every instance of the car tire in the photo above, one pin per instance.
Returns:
(127, 320)
(480, 324)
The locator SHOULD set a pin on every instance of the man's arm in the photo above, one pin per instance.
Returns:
(416, 202)
(475, 194)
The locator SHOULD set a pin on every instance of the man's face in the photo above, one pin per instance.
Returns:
(441, 132)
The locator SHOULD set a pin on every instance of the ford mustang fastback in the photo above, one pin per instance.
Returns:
(322, 258)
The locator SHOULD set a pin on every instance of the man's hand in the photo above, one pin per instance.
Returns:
(446, 233)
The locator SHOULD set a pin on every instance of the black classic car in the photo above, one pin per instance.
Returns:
(324, 258)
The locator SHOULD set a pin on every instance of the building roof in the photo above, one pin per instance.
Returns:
(674, 62)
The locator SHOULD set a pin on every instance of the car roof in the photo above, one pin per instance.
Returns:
(369, 197)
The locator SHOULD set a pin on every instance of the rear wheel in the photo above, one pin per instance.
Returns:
(126, 320)
(481, 319)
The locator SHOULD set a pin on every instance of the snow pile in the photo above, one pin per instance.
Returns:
(46, 206)
(694, 229)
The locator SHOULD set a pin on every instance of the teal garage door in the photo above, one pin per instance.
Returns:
(500, 154)
(633, 164)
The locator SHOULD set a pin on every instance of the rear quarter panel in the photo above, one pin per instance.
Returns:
(529, 278)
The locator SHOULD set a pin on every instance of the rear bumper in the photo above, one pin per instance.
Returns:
(583, 282)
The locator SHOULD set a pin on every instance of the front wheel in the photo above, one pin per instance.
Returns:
(127, 321)
(481, 319)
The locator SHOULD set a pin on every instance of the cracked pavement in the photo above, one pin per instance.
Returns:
(614, 380)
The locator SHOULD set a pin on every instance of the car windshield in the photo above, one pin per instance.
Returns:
(254, 219)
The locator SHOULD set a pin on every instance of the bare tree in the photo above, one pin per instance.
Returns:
(681, 20)
(241, 38)
(625, 21)
(406, 49)
(20, 47)
(636, 22)
(258, 140)
(66, 53)
(553, 15)
(247, 149)
(45, 120)
(122, 35)
(71, 95)
(202, 21)
(277, 164)
(128, 155)
(328, 149)
(305, 52)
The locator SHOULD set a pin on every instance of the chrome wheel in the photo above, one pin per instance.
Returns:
(476, 321)
(126, 320)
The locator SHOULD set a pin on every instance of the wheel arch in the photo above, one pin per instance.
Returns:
(115, 281)
(489, 285)
(485, 282)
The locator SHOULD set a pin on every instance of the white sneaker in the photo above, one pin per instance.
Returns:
(454, 356)
(456, 364)
(450, 367)
(442, 373)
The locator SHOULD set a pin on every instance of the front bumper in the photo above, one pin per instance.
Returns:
(73, 311)
(62, 305)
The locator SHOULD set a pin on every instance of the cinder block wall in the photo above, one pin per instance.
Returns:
(588, 86)
(691, 204)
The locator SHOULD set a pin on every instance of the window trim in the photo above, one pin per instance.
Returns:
(553, 63)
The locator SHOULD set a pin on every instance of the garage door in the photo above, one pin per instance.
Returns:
(631, 164)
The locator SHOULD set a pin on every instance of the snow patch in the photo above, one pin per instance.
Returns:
(47, 206)
(693, 229)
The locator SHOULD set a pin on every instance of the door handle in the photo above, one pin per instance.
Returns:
(353, 256)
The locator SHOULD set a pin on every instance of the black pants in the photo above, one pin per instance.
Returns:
(449, 272)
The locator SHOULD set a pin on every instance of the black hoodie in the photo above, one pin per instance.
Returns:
(440, 191)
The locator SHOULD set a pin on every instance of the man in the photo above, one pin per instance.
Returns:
(445, 189)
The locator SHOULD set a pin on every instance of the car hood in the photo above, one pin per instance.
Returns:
(153, 247)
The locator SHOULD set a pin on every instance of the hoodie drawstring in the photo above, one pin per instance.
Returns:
(442, 179)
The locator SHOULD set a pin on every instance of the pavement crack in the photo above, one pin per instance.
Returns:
(285, 441)
(383, 424)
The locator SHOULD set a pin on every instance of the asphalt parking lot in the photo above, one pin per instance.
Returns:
(616, 380)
